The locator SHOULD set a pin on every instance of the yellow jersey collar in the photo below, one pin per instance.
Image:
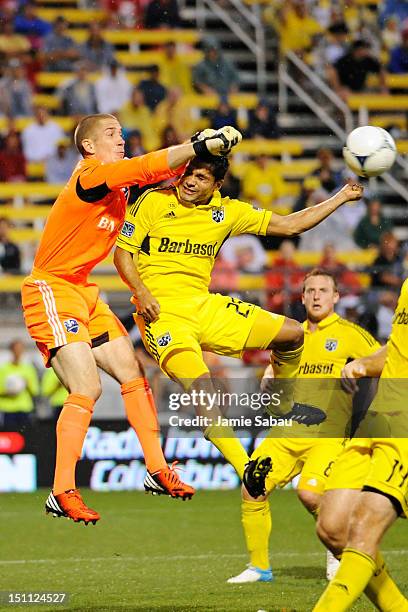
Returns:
(323, 323)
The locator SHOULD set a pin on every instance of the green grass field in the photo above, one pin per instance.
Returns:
(151, 553)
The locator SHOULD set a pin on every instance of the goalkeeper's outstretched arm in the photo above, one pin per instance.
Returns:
(298, 222)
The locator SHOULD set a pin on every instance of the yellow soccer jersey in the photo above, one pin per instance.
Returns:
(391, 400)
(177, 243)
(326, 351)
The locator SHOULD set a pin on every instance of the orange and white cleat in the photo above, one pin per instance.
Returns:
(167, 482)
(71, 505)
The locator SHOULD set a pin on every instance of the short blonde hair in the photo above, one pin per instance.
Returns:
(85, 129)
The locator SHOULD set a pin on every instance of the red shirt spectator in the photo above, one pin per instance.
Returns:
(347, 279)
(12, 160)
(284, 280)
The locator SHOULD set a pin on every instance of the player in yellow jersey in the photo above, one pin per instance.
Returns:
(330, 342)
(384, 494)
(165, 254)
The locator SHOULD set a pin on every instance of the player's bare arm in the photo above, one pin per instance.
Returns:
(370, 366)
(125, 263)
(298, 222)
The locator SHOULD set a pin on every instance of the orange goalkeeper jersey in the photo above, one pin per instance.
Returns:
(88, 214)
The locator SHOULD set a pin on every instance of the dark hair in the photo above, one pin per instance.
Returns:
(320, 272)
(360, 44)
(217, 165)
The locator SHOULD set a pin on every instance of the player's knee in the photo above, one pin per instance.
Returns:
(290, 336)
(331, 533)
(310, 500)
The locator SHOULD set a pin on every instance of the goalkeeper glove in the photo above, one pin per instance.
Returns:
(306, 414)
(218, 142)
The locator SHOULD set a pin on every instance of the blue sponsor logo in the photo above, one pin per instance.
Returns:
(72, 326)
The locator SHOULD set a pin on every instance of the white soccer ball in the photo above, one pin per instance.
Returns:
(369, 151)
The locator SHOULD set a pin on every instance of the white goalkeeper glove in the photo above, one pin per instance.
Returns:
(216, 142)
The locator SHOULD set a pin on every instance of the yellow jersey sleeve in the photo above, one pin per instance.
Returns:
(249, 220)
(138, 221)
(361, 342)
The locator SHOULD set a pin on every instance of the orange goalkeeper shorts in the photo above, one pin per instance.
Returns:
(57, 312)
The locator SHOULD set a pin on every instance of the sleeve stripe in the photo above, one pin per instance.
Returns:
(371, 341)
(135, 206)
(126, 246)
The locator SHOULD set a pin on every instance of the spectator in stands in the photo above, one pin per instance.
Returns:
(19, 384)
(134, 145)
(262, 121)
(297, 27)
(306, 197)
(96, 50)
(394, 8)
(284, 282)
(223, 115)
(78, 97)
(245, 253)
(60, 165)
(59, 51)
(12, 160)
(12, 45)
(390, 34)
(152, 89)
(372, 225)
(174, 110)
(348, 280)
(334, 44)
(135, 115)
(349, 74)
(388, 271)
(399, 56)
(169, 137)
(262, 183)
(162, 14)
(15, 91)
(40, 137)
(174, 71)
(28, 24)
(330, 179)
(224, 276)
(215, 74)
(231, 186)
(113, 89)
(333, 228)
(10, 256)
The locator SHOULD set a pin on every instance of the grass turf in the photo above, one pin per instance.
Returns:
(156, 554)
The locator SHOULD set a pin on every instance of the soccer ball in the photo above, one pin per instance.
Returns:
(369, 151)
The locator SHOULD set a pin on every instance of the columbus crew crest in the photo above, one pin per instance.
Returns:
(164, 339)
(331, 344)
(218, 215)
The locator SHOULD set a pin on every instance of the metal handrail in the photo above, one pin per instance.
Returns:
(323, 89)
(285, 81)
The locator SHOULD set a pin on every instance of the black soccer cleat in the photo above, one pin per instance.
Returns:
(256, 471)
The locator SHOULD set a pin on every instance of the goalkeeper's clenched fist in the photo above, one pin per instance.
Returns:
(216, 142)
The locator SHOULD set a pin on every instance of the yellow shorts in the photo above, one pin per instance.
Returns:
(351, 466)
(312, 458)
(379, 464)
(210, 322)
(388, 471)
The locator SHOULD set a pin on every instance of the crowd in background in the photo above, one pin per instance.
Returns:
(345, 42)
